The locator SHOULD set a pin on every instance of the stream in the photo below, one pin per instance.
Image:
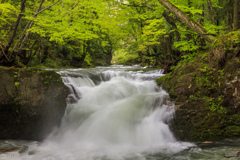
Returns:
(116, 113)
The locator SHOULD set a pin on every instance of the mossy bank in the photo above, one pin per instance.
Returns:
(32, 103)
(206, 91)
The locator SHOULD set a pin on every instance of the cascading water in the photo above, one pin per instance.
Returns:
(111, 115)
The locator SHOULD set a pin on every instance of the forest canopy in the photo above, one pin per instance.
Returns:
(56, 33)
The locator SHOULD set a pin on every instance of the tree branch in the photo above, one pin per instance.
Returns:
(211, 12)
(4, 53)
(16, 26)
(46, 8)
(170, 21)
(72, 8)
(21, 37)
(184, 18)
(31, 24)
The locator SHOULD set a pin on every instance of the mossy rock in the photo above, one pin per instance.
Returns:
(32, 103)
(207, 98)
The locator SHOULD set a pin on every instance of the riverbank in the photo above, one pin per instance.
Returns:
(205, 89)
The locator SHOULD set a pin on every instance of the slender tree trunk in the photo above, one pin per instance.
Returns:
(189, 36)
(171, 22)
(211, 11)
(16, 26)
(230, 15)
(200, 21)
(31, 24)
(184, 18)
(28, 25)
(237, 15)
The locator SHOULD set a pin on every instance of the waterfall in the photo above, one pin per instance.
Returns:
(112, 114)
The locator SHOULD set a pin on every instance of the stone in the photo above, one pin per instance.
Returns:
(207, 98)
(32, 103)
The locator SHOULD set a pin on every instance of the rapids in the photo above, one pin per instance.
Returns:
(113, 113)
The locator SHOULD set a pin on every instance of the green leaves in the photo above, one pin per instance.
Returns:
(99, 27)
(75, 21)
(8, 13)
(186, 45)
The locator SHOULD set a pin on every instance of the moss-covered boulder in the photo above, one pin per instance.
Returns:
(32, 102)
(207, 97)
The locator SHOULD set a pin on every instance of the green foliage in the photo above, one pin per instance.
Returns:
(15, 74)
(91, 30)
(63, 32)
(209, 82)
(16, 84)
(189, 57)
(8, 13)
(186, 45)
(211, 28)
(227, 41)
(81, 23)
(88, 59)
(122, 57)
(233, 130)
(215, 104)
(192, 97)
(128, 58)
(53, 63)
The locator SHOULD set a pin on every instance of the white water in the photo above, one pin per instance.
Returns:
(125, 116)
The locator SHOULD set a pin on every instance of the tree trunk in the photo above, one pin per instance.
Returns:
(184, 18)
(201, 21)
(211, 12)
(28, 26)
(237, 15)
(31, 24)
(230, 15)
(172, 23)
(189, 36)
(16, 26)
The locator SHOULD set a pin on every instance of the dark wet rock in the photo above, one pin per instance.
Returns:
(23, 149)
(32, 102)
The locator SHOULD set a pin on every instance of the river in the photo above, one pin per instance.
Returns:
(116, 113)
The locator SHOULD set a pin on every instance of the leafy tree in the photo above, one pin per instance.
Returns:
(88, 32)
(73, 25)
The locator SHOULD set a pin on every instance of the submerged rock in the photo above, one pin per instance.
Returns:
(32, 103)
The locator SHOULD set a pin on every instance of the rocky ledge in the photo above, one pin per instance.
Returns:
(206, 92)
(32, 103)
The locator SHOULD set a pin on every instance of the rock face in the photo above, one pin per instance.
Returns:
(32, 102)
(207, 98)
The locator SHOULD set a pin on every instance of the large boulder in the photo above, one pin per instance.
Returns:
(32, 103)
(207, 98)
